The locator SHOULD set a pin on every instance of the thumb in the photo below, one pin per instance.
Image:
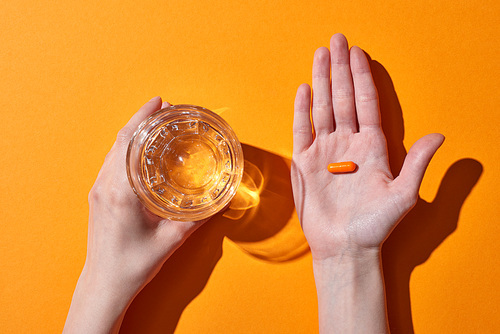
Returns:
(416, 163)
(171, 233)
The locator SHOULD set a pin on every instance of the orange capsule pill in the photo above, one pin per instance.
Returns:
(342, 167)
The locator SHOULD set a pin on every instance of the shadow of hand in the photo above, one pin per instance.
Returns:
(419, 234)
(261, 220)
(263, 223)
(427, 225)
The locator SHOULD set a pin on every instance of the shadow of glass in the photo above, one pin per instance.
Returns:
(428, 224)
(261, 220)
(270, 230)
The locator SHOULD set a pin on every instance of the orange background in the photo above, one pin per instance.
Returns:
(73, 72)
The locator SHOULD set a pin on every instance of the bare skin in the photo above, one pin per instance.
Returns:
(127, 245)
(347, 217)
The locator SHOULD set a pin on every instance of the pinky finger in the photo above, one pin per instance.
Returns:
(302, 128)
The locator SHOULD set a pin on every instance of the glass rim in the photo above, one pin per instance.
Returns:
(140, 137)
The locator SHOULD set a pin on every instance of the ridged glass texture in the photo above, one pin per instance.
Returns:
(184, 163)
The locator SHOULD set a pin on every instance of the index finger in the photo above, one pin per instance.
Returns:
(125, 134)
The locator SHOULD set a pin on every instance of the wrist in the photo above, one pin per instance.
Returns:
(347, 255)
(347, 265)
(351, 293)
(116, 290)
(97, 306)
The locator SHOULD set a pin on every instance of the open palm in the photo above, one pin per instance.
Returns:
(354, 211)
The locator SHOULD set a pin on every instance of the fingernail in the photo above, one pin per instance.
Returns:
(154, 98)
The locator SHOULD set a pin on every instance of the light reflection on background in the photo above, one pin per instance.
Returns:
(248, 194)
(261, 219)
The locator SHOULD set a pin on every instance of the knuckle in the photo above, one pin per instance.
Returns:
(124, 135)
(94, 193)
(360, 70)
(301, 130)
(322, 104)
(117, 196)
(109, 155)
(342, 94)
(320, 75)
(369, 97)
(110, 195)
(341, 62)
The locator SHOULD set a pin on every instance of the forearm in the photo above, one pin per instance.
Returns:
(96, 308)
(351, 296)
